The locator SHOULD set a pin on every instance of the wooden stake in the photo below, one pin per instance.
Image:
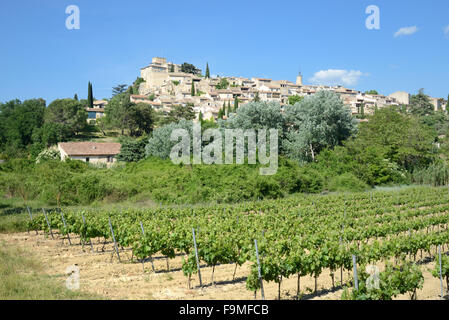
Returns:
(48, 223)
(65, 226)
(196, 255)
(113, 238)
(258, 270)
(441, 276)
(356, 280)
(31, 216)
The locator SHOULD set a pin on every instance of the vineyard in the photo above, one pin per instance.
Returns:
(300, 236)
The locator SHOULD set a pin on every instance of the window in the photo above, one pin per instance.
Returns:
(87, 159)
(92, 115)
(110, 159)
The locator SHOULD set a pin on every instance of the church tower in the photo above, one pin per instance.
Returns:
(299, 79)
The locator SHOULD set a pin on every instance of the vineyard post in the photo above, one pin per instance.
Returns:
(65, 226)
(90, 240)
(48, 223)
(341, 268)
(113, 238)
(31, 216)
(258, 270)
(196, 256)
(151, 257)
(441, 276)
(356, 280)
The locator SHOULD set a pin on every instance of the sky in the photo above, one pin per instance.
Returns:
(326, 40)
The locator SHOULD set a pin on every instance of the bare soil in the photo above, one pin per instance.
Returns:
(103, 275)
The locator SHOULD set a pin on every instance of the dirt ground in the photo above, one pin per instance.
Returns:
(102, 274)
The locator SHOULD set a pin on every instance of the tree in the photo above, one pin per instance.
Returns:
(121, 88)
(132, 150)
(420, 104)
(294, 99)
(136, 85)
(447, 104)
(192, 89)
(257, 115)
(207, 71)
(229, 108)
(75, 97)
(117, 111)
(200, 117)
(69, 113)
(17, 122)
(90, 97)
(398, 137)
(372, 92)
(317, 122)
(189, 68)
(236, 104)
(160, 144)
(122, 114)
(177, 113)
(257, 98)
(220, 113)
(172, 68)
(224, 84)
(140, 119)
(50, 134)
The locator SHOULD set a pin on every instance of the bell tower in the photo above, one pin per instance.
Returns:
(299, 79)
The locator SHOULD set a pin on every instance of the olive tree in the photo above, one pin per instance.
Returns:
(317, 122)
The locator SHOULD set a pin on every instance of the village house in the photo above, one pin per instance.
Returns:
(91, 152)
(97, 111)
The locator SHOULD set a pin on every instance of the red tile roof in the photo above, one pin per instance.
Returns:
(90, 148)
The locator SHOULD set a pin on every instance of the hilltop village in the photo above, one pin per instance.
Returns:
(164, 85)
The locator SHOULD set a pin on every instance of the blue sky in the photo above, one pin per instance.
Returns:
(39, 57)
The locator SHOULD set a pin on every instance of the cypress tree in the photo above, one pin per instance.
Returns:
(75, 97)
(200, 117)
(447, 103)
(256, 97)
(90, 97)
(172, 68)
(207, 71)
(192, 90)
(236, 104)
(229, 108)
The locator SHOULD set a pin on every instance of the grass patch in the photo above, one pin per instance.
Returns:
(23, 278)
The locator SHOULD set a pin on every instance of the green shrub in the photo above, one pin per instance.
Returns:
(268, 188)
(347, 182)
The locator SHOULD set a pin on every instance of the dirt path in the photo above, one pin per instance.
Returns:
(102, 274)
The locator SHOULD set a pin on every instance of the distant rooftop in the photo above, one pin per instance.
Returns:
(90, 148)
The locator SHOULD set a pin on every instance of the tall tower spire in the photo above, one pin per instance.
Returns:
(299, 78)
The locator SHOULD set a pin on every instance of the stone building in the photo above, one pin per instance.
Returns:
(91, 152)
